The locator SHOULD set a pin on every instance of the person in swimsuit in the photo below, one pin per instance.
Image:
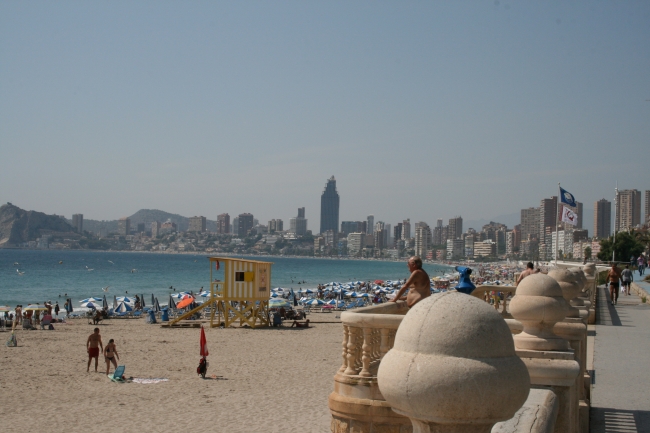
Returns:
(530, 270)
(110, 352)
(418, 282)
(93, 344)
(613, 276)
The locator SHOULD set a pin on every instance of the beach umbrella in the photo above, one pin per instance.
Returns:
(123, 308)
(36, 307)
(352, 294)
(336, 303)
(156, 305)
(69, 308)
(4, 308)
(204, 294)
(278, 303)
(204, 344)
(308, 291)
(125, 299)
(275, 295)
(180, 295)
(185, 302)
(94, 299)
(363, 295)
(153, 300)
(142, 304)
(171, 303)
(314, 302)
(104, 303)
(91, 304)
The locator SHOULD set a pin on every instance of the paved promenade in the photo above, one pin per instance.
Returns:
(621, 392)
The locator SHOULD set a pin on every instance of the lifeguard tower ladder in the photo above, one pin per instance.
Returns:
(242, 296)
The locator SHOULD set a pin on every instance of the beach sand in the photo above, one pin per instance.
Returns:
(271, 380)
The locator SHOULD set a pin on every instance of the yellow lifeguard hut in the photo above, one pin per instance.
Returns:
(242, 296)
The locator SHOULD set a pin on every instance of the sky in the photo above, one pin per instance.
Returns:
(421, 110)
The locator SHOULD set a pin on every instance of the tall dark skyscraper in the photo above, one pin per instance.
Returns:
(329, 207)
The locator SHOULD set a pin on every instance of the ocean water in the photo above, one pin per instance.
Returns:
(82, 274)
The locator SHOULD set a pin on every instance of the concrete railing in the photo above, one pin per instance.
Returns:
(369, 333)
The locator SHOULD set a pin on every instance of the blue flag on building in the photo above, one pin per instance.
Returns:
(567, 198)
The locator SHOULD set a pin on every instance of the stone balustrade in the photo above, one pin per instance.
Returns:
(357, 404)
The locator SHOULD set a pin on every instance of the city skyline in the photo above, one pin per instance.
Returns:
(235, 108)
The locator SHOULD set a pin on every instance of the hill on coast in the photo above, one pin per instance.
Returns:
(146, 216)
(18, 226)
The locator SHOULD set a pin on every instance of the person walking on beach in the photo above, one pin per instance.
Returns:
(418, 282)
(110, 352)
(627, 276)
(530, 270)
(57, 309)
(93, 344)
(613, 276)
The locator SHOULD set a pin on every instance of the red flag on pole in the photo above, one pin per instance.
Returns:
(204, 343)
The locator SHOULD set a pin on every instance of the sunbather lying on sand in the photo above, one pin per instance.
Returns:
(297, 324)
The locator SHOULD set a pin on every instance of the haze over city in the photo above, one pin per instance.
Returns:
(420, 110)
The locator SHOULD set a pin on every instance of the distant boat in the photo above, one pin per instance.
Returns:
(60, 262)
(16, 264)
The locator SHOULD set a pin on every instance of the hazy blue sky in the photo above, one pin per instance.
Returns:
(420, 109)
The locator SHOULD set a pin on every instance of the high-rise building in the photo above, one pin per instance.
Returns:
(124, 226)
(235, 226)
(547, 215)
(277, 225)
(647, 205)
(155, 229)
(439, 223)
(371, 224)
(245, 225)
(298, 225)
(422, 239)
(356, 242)
(530, 223)
(329, 207)
(397, 233)
(388, 240)
(455, 248)
(78, 222)
(628, 209)
(578, 210)
(140, 227)
(406, 229)
(379, 239)
(602, 219)
(197, 224)
(455, 228)
(348, 227)
(223, 223)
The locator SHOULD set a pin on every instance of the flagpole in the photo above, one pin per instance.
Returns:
(615, 220)
(557, 235)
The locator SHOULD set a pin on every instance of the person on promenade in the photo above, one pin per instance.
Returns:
(418, 282)
(613, 277)
(530, 270)
(110, 352)
(641, 264)
(93, 344)
(627, 276)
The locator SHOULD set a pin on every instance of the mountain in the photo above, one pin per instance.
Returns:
(146, 216)
(18, 226)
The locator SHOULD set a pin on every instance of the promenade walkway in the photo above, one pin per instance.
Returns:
(621, 393)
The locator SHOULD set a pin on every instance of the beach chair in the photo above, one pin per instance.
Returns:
(118, 374)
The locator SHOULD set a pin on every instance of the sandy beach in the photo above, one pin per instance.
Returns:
(271, 380)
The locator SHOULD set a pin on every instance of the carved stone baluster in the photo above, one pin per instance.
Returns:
(352, 351)
(367, 352)
(384, 346)
(345, 349)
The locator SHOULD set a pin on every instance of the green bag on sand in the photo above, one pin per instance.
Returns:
(12, 342)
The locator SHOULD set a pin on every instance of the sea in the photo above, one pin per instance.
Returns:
(37, 276)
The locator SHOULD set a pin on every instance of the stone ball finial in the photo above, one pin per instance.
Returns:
(570, 288)
(590, 270)
(539, 304)
(453, 354)
(580, 277)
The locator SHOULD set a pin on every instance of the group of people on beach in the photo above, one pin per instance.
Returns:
(93, 346)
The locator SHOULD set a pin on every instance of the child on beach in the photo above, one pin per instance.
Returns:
(110, 352)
